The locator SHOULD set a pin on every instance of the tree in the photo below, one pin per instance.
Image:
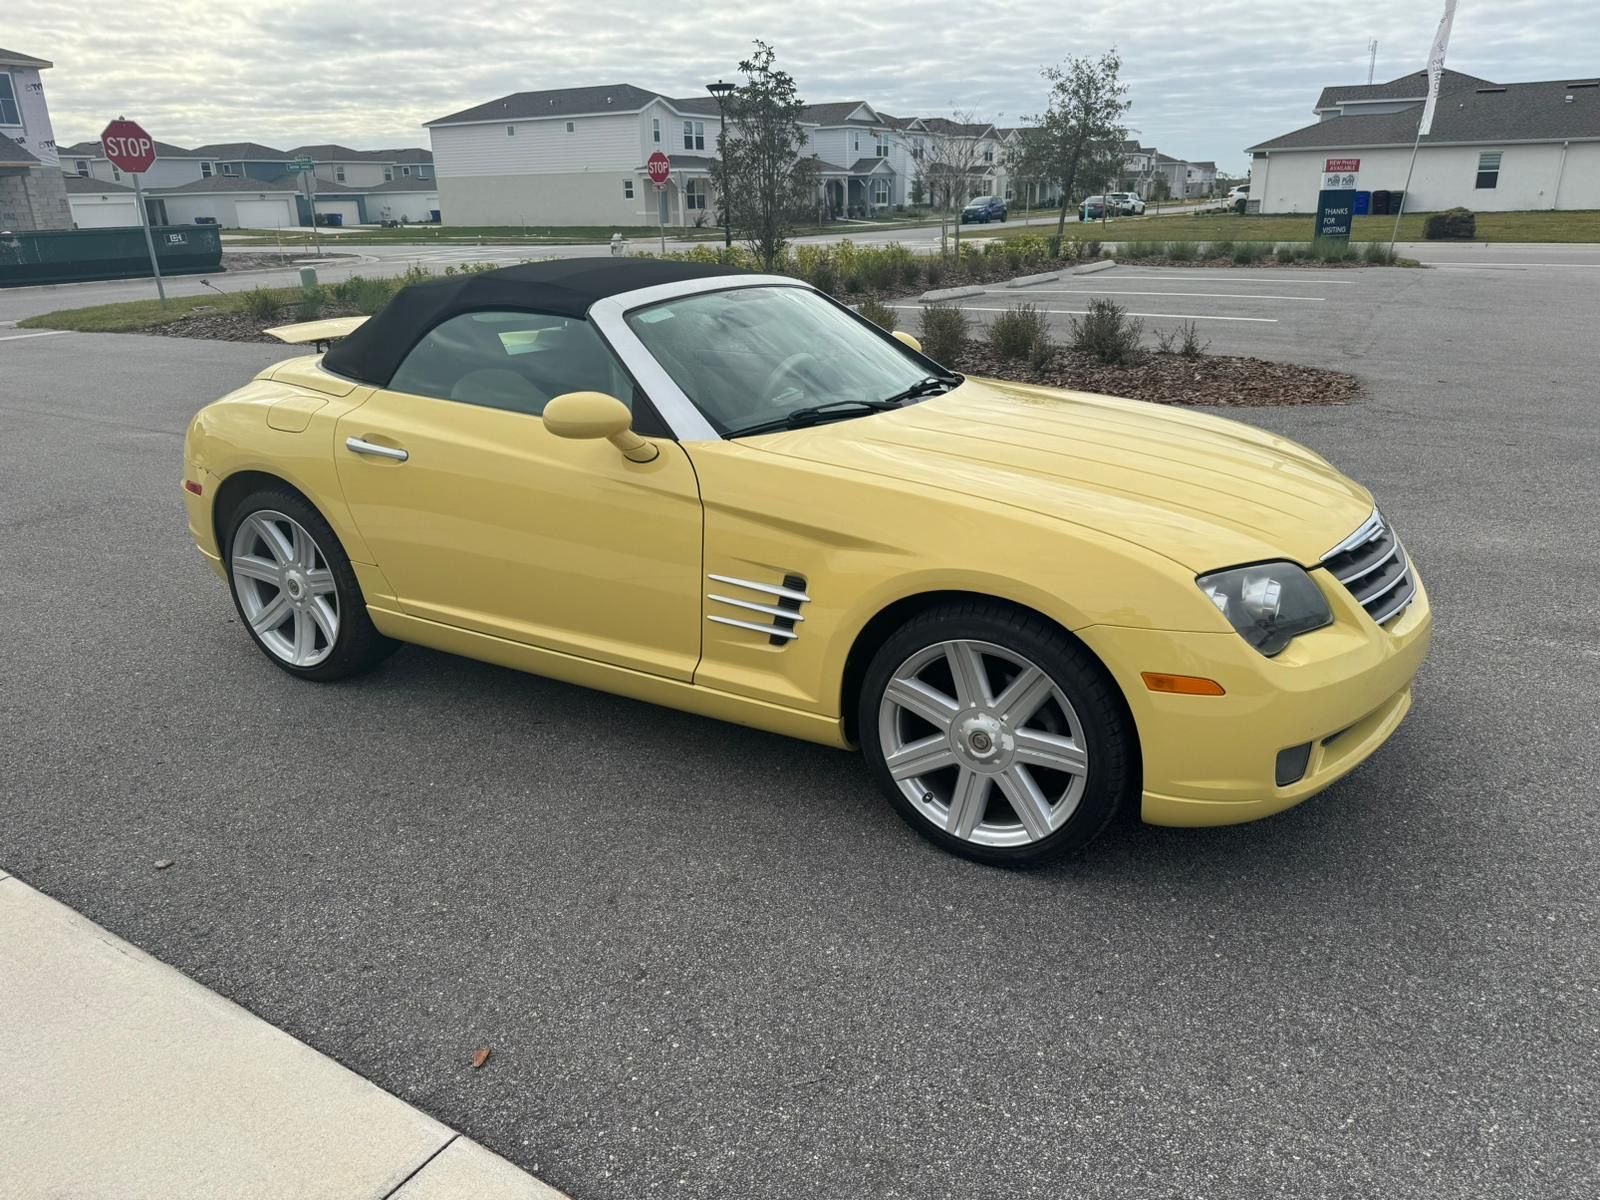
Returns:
(769, 186)
(951, 153)
(1081, 127)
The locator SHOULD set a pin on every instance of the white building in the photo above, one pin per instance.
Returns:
(33, 194)
(1493, 147)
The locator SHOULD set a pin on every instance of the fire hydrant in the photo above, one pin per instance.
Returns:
(619, 248)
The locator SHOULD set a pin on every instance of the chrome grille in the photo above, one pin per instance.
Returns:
(1374, 566)
(780, 602)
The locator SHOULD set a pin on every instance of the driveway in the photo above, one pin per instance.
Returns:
(712, 963)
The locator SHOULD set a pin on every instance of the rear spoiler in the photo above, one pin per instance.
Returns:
(330, 330)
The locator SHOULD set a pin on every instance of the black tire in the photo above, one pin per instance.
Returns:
(358, 647)
(1110, 741)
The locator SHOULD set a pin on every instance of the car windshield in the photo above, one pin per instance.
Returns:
(750, 357)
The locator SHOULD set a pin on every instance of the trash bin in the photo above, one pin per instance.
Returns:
(1380, 204)
(1396, 202)
(1363, 203)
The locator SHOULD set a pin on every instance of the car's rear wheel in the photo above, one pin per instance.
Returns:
(295, 590)
(995, 734)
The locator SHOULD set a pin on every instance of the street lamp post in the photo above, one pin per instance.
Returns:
(719, 90)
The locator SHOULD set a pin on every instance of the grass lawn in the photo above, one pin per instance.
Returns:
(136, 315)
(1214, 227)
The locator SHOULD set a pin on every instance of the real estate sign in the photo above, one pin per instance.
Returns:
(1336, 202)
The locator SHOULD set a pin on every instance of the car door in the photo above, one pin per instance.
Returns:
(482, 519)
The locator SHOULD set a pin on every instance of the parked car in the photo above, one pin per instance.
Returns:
(728, 494)
(984, 209)
(1128, 204)
(1241, 192)
(1093, 208)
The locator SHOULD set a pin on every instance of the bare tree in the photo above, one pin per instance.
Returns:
(952, 155)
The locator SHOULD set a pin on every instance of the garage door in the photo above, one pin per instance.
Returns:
(103, 214)
(348, 209)
(264, 214)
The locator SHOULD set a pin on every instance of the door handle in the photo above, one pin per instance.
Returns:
(358, 446)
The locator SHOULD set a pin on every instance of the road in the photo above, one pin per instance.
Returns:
(712, 963)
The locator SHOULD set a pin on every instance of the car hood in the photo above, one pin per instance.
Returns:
(1202, 491)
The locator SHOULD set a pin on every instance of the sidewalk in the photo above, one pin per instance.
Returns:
(122, 1079)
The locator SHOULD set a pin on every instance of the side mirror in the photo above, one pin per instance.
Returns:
(900, 335)
(597, 415)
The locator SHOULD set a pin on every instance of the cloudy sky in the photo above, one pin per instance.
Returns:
(1208, 77)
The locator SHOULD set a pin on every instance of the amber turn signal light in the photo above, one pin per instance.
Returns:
(1181, 685)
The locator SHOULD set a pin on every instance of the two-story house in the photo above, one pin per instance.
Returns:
(855, 148)
(576, 156)
(33, 194)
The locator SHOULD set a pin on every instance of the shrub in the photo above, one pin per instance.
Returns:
(261, 303)
(910, 271)
(1089, 250)
(1107, 333)
(934, 271)
(1017, 332)
(1452, 223)
(878, 313)
(1247, 253)
(851, 283)
(1284, 254)
(1222, 249)
(1184, 340)
(1180, 251)
(363, 294)
(1303, 252)
(1032, 249)
(1043, 353)
(1377, 252)
(1134, 251)
(310, 306)
(943, 333)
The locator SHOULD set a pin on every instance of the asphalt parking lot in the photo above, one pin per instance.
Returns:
(712, 963)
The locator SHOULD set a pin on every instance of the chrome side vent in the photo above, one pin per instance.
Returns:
(1373, 565)
(780, 602)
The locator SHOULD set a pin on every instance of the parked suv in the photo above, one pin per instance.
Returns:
(1126, 203)
(1092, 208)
(984, 209)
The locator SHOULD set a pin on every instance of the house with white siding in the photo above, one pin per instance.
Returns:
(1493, 147)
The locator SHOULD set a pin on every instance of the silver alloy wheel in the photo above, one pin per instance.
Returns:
(285, 588)
(983, 743)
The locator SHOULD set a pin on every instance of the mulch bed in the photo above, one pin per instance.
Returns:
(239, 326)
(1214, 380)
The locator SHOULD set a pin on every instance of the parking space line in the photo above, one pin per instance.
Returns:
(17, 337)
(1276, 282)
(1125, 292)
(1083, 312)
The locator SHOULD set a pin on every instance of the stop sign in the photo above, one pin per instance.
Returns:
(659, 168)
(128, 146)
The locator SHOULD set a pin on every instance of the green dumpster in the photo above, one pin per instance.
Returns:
(72, 255)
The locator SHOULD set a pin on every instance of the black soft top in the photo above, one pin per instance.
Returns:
(565, 287)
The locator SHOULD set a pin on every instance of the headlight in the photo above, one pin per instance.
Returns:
(1270, 604)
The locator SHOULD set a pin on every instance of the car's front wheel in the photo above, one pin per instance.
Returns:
(296, 591)
(995, 734)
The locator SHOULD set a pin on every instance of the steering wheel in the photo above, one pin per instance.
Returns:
(786, 367)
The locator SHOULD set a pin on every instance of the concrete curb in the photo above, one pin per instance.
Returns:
(1104, 264)
(1030, 280)
(959, 293)
(124, 1077)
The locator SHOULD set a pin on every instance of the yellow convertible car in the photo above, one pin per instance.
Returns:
(729, 494)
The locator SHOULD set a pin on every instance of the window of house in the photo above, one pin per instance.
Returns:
(406, 171)
(655, 130)
(82, 167)
(517, 361)
(230, 168)
(855, 140)
(388, 174)
(988, 156)
(206, 170)
(116, 175)
(694, 135)
(1488, 169)
(627, 189)
(694, 194)
(338, 173)
(880, 191)
(422, 171)
(917, 147)
(882, 145)
(511, 131)
(8, 101)
(570, 126)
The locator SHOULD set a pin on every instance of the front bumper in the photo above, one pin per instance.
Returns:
(1211, 760)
